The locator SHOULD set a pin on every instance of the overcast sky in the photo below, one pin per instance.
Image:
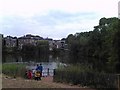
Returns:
(53, 18)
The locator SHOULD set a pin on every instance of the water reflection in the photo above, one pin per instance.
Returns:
(25, 58)
(49, 63)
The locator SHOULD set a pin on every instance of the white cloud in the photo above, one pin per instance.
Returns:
(33, 7)
(53, 18)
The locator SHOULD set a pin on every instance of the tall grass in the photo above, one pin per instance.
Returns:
(14, 69)
(85, 76)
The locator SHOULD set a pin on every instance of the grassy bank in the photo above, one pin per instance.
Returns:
(14, 70)
(86, 77)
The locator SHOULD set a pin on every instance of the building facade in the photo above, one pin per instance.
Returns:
(58, 44)
(10, 41)
(28, 39)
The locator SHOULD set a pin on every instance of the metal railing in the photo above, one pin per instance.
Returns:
(48, 72)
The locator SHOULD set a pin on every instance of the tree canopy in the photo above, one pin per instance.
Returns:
(100, 47)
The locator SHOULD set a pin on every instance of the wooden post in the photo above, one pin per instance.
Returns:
(48, 72)
(118, 81)
(54, 72)
(118, 77)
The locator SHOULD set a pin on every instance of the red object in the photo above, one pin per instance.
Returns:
(29, 74)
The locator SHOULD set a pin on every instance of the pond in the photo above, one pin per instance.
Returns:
(49, 63)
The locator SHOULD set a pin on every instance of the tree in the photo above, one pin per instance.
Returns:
(42, 47)
(28, 49)
(102, 45)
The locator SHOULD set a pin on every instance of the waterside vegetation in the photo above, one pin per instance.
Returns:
(14, 70)
(98, 51)
(85, 77)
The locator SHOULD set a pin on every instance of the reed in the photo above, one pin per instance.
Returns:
(14, 69)
(79, 74)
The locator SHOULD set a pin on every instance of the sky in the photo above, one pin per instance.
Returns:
(53, 18)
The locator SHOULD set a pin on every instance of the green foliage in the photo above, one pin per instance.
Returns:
(70, 38)
(100, 47)
(42, 47)
(36, 51)
(56, 51)
(28, 49)
(42, 42)
(14, 69)
(79, 74)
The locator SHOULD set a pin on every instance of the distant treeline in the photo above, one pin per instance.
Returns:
(100, 47)
(42, 47)
(39, 52)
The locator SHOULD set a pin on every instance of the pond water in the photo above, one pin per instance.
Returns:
(49, 63)
(48, 67)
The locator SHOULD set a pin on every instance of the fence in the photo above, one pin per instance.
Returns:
(48, 72)
(91, 79)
